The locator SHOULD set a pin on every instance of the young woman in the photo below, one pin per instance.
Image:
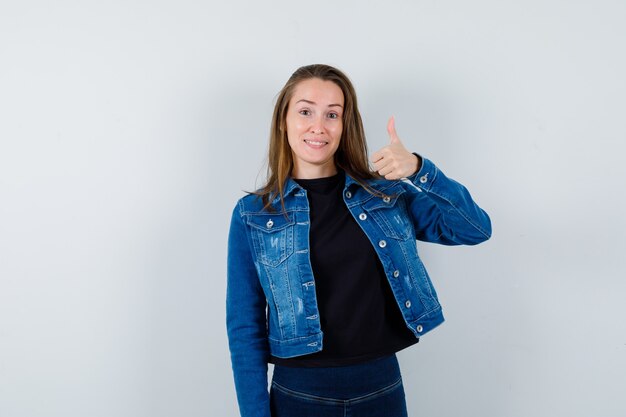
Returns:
(324, 279)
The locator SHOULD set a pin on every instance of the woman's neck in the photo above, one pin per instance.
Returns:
(314, 171)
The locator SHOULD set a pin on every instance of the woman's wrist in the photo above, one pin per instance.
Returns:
(418, 163)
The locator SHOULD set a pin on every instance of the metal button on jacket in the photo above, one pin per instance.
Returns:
(269, 224)
(348, 194)
(396, 273)
(362, 216)
(419, 328)
(424, 178)
(382, 243)
(386, 199)
(407, 304)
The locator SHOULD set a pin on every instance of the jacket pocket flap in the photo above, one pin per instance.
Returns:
(389, 200)
(269, 223)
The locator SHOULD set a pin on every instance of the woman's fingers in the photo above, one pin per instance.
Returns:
(393, 138)
(377, 156)
(386, 160)
(391, 130)
(393, 161)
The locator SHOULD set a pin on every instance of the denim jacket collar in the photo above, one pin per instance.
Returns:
(292, 186)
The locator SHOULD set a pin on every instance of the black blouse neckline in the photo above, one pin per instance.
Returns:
(323, 185)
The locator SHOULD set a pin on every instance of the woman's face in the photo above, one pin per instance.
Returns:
(314, 125)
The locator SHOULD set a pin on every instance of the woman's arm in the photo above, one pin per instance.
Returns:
(443, 210)
(246, 323)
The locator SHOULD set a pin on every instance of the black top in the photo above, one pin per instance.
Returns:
(358, 313)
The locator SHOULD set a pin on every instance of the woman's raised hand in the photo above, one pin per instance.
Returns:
(394, 161)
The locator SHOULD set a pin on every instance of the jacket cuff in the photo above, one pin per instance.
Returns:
(426, 174)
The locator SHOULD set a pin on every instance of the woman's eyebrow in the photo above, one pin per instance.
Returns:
(313, 103)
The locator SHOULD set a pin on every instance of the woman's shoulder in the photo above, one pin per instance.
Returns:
(249, 202)
(378, 184)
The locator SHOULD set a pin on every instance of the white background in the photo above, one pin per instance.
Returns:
(128, 129)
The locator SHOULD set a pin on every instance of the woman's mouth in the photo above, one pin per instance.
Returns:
(315, 143)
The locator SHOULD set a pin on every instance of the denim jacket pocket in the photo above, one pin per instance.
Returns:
(272, 236)
(391, 214)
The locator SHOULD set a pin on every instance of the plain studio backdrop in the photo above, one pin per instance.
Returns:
(129, 129)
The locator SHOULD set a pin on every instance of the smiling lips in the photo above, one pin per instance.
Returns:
(316, 144)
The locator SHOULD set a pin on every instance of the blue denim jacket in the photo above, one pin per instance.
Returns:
(271, 305)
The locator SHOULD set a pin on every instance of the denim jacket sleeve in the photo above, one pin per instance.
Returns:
(443, 210)
(246, 323)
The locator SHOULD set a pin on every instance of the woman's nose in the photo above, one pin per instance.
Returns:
(318, 125)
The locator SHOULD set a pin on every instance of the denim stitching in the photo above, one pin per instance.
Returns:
(305, 396)
(376, 394)
(336, 401)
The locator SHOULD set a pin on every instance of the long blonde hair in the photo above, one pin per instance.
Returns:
(351, 155)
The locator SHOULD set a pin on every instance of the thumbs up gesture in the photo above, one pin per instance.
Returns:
(394, 161)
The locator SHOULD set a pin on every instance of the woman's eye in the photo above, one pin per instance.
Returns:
(305, 112)
(333, 115)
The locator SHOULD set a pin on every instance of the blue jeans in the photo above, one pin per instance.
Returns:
(370, 389)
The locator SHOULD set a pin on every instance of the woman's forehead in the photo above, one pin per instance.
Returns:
(317, 91)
